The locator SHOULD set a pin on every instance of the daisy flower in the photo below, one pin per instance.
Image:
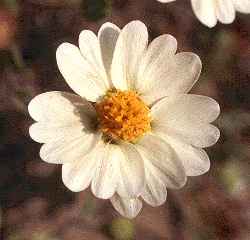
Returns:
(130, 131)
(211, 11)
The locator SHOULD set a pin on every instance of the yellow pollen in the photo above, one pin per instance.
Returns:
(123, 115)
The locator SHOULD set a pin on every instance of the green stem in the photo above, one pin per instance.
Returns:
(17, 56)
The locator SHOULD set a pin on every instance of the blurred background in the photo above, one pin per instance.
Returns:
(34, 203)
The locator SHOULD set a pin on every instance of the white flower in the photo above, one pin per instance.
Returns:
(132, 131)
(211, 11)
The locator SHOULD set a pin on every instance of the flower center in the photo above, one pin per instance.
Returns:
(123, 115)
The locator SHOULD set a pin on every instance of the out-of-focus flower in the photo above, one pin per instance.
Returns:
(132, 131)
(211, 11)
(7, 28)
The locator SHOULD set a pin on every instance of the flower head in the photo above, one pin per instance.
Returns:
(123, 115)
(131, 130)
(209, 12)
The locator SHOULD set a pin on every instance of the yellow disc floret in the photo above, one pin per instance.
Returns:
(123, 115)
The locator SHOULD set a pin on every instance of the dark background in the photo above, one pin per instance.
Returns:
(34, 203)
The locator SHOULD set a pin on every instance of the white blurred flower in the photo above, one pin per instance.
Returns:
(211, 11)
(132, 131)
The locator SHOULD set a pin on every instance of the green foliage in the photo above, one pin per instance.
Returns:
(122, 229)
(42, 236)
(89, 206)
(231, 176)
(96, 9)
(11, 4)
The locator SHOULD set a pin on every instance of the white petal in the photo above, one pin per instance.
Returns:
(60, 108)
(132, 175)
(242, 6)
(178, 76)
(194, 160)
(159, 155)
(106, 176)
(187, 121)
(155, 192)
(225, 11)
(198, 134)
(78, 174)
(128, 208)
(185, 107)
(80, 75)
(205, 11)
(67, 150)
(44, 133)
(158, 54)
(107, 36)
(130, 46)
(91, 51)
